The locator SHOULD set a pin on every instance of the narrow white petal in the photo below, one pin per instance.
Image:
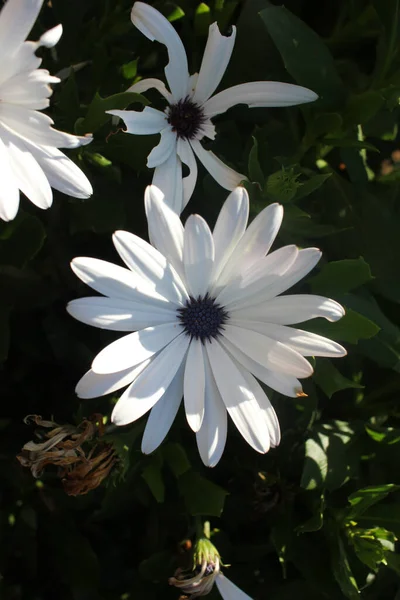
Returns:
(168, 178)
(51, 37)
(185, 153)
(134, 348)
(93, 385)
(228, 590)
(211, 437)
(116, 282)
(288, 310)
(246, 289)
(156, 27)
(258, 94)
(37, 127)
(9, 192)
(163, 414)
(281, 382)
(63, 174)
(267, 410)
(239, 400)
(16, 20)
(147, 84)
(268, 352)
(198, 255)
(216, 58)
(144, 122)
(150, 265)
(166, 231)
(117, 314)
(162, 151)
(224, 175)
(31, 90)
(303, 342)
(194, 385)
(28, 175)
(255, 242)
(151, 384)
(230, 227)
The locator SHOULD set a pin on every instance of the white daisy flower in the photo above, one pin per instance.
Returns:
(29, 157)
(208, 319)
(191, 107)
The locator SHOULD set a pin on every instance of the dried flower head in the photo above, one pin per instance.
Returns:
(80, 469)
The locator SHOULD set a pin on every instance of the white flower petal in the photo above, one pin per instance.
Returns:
(150, 265)
(303, 342)
(93, 385)
(228, 590)
(28, 175)
(16, 20)
(115, 282)
(194, 385)
(168, 178)
(151, 384)
(224, 175)
(268, 411)
(37, 127)
(9, 192)
(267, 352)
(163, 414)
(230, 227)
(185, 153)
(258, 94)
(156, 27)
(144, 122)
(281, 382)
(166, 231)
(211, 437)
(29, 89)
(198, 255)
(117, 314)
(51, 37)
(288, 310)
(239, 400)
(254, 244)
(216, 58)
(246, 289)
(134, 348)
(147, 84)
(162, 151)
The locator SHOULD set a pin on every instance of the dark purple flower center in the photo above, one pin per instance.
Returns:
(202, 318)
(185, 118)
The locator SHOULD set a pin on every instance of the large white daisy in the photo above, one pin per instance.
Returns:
(191, 107)
(208, 319)
(29, 157)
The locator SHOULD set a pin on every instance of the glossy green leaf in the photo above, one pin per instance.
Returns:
(201, 496)
(341, 276)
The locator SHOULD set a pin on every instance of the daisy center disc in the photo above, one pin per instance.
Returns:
(202, 318)
(185, 118)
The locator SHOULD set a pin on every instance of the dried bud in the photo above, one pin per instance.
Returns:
(199, 580)
(80, 469)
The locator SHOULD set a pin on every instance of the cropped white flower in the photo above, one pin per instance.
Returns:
(29, 157)
(208, 319)
(187, 119)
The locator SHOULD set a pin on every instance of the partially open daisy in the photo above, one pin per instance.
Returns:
(208, 319)
(191, 107)
(29, 157)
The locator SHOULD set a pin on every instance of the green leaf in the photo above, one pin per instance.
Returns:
(328, 462)
(325, 123)
(202, 19)
(255, 171)
(316, 522)
(382, 515)
(312, 184)
(350, 143)
(351, 328)
(201, 496)
(129, 69)
(362, 107)
(176, 458)
(330, 380)
(363, 499)
(153, 477)
(340, 565)
(383, 435)
(341, 276)
(304, 54)
(368, 550)
(96, 115)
